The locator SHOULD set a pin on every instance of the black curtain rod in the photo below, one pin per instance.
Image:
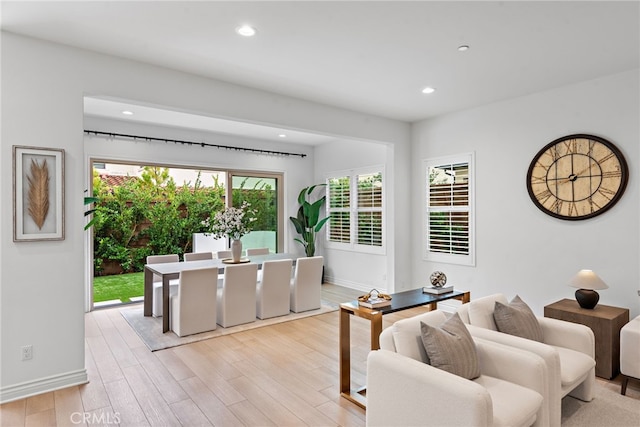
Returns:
(202, 144)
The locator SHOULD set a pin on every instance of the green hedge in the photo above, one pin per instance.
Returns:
(151, 215)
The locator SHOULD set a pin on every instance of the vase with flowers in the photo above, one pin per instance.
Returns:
(233, 223)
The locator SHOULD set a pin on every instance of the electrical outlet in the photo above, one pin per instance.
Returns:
(27, 352)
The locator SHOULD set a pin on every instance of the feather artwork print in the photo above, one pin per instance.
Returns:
(38, 195)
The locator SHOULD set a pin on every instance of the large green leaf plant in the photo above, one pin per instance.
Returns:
(308, 222)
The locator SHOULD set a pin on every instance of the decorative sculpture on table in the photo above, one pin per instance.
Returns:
(438, 279)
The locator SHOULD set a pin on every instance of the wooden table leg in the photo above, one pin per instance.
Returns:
(466, 297)
(376, 330)
(148, 292)
(345, 352)
(353, 395)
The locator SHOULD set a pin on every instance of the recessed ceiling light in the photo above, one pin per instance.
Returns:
(463, 48)
(428, 89)
(127, 113)
(282, 135)
(246, 30)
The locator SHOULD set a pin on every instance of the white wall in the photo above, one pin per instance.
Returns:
(43, 86)
(520, 250)
(355, 269)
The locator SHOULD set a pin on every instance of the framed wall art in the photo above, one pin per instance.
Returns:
(38, 194)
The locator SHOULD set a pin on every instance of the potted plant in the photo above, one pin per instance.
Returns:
(88, 200)
(308, 222)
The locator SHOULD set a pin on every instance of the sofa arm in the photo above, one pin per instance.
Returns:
(568, 335)
(405, 392)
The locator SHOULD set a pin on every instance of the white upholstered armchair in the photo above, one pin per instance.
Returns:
(403, 390)
(567, 348)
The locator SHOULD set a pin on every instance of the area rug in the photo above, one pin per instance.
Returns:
(608, 409)
(150, 328)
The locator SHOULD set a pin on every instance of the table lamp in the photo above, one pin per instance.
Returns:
(587, 282)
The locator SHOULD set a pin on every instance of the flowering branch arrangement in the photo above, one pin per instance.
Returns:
(232, 222)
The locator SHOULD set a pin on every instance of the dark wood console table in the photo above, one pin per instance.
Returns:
(400, 301)
(605, 321)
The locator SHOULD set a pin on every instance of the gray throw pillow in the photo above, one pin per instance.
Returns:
(451, 348)
(517, 319)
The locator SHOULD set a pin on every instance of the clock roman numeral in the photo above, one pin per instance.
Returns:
(605, 158)
(612, 174)
(573, 209)
(606, 193)
(557, 206)
(537, 179)
(544, 196)
(571, 146)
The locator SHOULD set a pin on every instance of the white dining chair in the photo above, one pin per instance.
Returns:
(236, 299)
(257, 251)
(306, 284)
(156, 307)
(223, 254)
(272, 294)
(197, 256)
(193, 306)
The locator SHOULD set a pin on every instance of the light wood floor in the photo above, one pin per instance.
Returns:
(281, 375)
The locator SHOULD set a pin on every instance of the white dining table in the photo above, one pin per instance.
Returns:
(171, 270)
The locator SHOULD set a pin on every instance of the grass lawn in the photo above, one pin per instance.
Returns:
(118, 287)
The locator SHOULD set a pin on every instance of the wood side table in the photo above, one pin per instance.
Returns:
(605, 322)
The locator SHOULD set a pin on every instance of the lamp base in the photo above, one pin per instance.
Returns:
(587, 298)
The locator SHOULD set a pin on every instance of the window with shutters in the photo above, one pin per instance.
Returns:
(356, 211)
(339, 225)
(449, 233)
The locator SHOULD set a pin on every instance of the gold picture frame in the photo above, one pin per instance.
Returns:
(38, 194)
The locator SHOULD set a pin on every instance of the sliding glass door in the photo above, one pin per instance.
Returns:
(263, 192)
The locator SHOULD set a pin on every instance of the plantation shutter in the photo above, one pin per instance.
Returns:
(369, 213)
(339, 210)
(449, 210)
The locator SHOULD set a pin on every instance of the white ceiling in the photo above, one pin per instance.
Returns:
(367, 56)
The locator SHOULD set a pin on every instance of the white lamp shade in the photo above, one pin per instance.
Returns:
(587, 279)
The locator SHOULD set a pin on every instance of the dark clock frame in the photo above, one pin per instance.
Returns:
(623, 183)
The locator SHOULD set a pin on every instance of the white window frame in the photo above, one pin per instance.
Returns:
(459, 259)
(353, 211)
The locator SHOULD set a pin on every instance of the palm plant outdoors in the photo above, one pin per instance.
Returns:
(308, 222)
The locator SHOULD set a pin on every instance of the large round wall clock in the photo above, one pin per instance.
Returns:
(577, 177)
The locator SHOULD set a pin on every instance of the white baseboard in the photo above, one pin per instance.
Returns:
(43, 385)
(353, 285)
